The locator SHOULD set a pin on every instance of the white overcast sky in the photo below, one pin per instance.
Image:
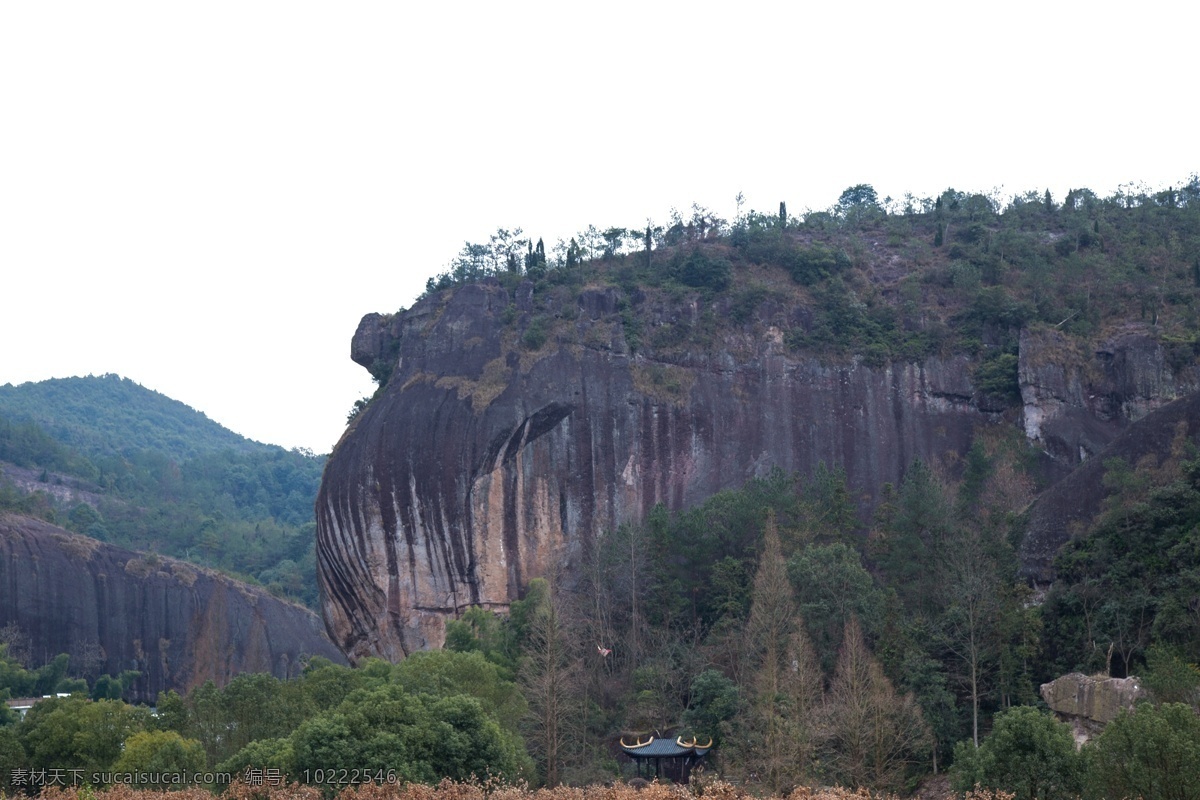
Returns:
(207, 197)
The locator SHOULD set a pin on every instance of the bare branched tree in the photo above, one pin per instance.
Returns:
(874, 733)
(550, 677)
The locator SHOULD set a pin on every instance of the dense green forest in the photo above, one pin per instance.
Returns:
(120, 463)
(110, 415)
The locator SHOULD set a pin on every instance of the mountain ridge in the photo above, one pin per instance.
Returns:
(106, 415)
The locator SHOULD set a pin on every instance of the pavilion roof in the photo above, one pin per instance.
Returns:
(665, 748)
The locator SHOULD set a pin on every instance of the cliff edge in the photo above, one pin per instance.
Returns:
(491, 453)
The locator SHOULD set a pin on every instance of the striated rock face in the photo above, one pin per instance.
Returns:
(1076, 402)
(482, 462)
(1090, 703)
(178, 624)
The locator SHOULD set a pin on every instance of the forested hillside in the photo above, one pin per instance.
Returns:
(882, 279)
(110, 415)
(764, 619)
(107, 458)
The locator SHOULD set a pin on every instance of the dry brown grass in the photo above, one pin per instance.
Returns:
(473, 790)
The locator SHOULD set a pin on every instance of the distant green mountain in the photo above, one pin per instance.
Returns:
(107, 415)
(105, 457)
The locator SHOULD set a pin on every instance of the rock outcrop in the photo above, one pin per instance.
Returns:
(1089, 703)
(1068, 507)
(482, 461)
(176, 623)
(1076, 402)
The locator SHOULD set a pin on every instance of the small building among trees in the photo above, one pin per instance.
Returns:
(673, 760)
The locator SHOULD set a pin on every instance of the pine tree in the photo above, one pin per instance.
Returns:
(874, 732)
(778, 722)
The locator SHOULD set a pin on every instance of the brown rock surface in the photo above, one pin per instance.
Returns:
(178, 624)
(1089, 703)
(481, 461)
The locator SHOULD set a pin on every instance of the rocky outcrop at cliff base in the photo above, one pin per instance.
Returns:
(1089, 703)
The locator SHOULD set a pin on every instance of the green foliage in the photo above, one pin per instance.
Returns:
(859, 203)
(482, 631)
(763, 240)
(1129, 582)
(444, 673)
(109, 687)
(419, 737)
(22, 682)
(76, 733)
(535, 334)
(25, 444)
(247, 509)
(914, 529)
(262, 754)
(160, 753)
(745, 300)
(1028, 753)
(714, 703)
(434, 715)
(1169, 678)
(994, 305)
(12, 756)
(847, 323)
(831, 586)
(108, 415)
(700, 269)
(930, 685)
(1153, 751)
(996, 376)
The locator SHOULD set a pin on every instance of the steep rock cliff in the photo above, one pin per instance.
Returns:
(1076, 399)
(176, 623)
(482, 461)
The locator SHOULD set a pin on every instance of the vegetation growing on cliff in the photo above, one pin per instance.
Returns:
(812, 648)
(880, 280)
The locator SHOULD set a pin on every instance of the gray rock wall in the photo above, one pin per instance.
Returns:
(176, 623)
(482, 463)
(1088, 703)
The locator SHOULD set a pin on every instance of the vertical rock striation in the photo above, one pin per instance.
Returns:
(112, 610)
(482, 462)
